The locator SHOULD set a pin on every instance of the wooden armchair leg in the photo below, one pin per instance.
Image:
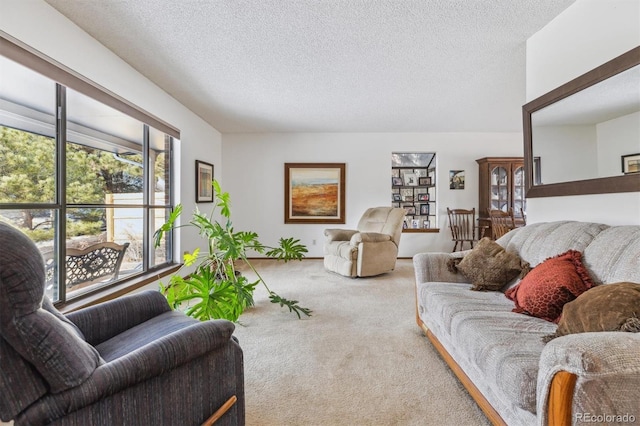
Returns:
(220, 411)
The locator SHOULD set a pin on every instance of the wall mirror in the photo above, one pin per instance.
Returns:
(584, 136)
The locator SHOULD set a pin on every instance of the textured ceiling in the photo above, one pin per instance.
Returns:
(329, 65)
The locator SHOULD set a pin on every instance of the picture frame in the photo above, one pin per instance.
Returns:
(396, 197)
(424, 209)
(456, 179)
(204, 182)
(423, 196)
(408, 198)
(410, 209)
(424, 181)
(415, 224)
(631, 163)
(314, 193)
(426, 224)
(396, 181)
(411, 179)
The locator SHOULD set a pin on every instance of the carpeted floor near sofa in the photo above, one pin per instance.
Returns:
(359, 360)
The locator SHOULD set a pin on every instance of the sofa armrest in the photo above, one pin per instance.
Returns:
(339, 234)
(430, 267)
(606, 367)
(369, 237)
(101, 322)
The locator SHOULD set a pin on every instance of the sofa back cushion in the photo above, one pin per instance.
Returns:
(614, 255)
(539, 241)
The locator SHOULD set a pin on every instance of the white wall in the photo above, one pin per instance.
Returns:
(38, 25)
(254, 177)
(584, 36)
(620, 136)
(566, 152)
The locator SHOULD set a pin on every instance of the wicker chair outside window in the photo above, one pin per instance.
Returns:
(98, 262)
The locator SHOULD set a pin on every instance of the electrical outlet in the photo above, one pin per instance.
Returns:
(313, 242)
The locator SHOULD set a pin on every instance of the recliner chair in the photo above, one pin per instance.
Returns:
(129, 361)
(371, 249)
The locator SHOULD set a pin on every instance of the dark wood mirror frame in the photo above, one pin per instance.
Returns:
(626, 183)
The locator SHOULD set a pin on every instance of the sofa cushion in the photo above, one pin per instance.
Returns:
(489, 266)
(546, 289)
(506, 347)
(502, 347)
(609, 307)
(613, 255)
(537, 242)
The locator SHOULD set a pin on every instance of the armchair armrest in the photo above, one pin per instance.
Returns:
(369, 237)
(149, 361)
(430, 267)
(339, 234)
(606, 367)
(105, 320)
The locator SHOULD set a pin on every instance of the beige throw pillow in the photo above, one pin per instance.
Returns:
(490, 267)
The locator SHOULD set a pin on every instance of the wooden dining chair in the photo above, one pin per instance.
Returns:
(463, 226)
(501, 222)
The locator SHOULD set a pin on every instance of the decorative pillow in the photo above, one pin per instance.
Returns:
(489, 266)
(550, 285)
(607, 307)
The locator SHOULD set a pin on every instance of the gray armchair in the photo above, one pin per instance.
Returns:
(371, 249)
(130, 361)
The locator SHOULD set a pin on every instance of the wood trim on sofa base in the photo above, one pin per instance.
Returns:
(477, 396)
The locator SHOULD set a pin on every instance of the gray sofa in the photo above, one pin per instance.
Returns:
(500, 356)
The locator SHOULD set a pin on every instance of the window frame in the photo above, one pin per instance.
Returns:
(63, 77)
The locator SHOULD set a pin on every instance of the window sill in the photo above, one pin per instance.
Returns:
(117, 290)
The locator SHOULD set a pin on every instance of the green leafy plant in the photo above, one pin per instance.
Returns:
(216, 289)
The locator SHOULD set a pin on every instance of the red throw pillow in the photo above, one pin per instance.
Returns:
(546, 288)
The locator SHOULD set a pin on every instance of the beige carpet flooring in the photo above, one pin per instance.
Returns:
(359, 360)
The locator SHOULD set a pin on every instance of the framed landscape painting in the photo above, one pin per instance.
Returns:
(314, 193)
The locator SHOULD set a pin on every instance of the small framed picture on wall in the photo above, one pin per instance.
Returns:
(204, 182)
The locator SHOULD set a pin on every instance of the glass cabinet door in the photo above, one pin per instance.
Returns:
(518, 191)
(499, 189)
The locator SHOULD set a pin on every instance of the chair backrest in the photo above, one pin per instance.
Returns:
(462, 223)
(385, 220)
(90, 264)
(40, 351)
(501, 222)
(523, 217)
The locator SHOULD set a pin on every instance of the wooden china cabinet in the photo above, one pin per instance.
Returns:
(501, 187)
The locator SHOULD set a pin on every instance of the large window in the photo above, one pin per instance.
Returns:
(88, 182)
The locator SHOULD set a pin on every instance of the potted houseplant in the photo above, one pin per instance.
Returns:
(215, 289)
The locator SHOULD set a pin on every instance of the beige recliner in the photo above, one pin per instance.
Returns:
(372, 249)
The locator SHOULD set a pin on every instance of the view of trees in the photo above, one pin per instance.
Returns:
(27, 175)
